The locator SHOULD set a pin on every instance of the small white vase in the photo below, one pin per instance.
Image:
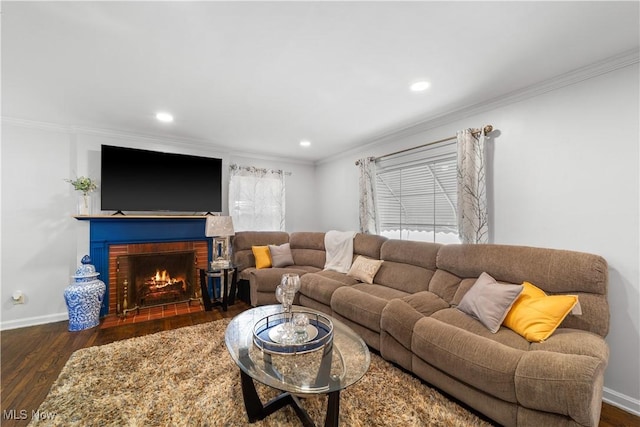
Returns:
(84, 204)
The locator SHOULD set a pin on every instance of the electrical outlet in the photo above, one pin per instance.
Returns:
(17, 297)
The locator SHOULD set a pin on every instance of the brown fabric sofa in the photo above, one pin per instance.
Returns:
(409, 315)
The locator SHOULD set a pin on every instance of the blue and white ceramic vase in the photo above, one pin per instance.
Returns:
(84, 297)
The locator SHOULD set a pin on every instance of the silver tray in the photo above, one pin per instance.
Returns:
(321, 335)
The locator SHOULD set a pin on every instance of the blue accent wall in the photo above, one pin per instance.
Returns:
(118, 230)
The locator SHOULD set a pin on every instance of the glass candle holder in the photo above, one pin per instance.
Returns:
(300, 322)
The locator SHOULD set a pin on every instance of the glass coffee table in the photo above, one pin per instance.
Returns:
(325, 371)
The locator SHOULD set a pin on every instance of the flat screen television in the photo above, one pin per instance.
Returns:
(143, 180)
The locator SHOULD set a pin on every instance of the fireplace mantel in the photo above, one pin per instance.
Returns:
(105, 230)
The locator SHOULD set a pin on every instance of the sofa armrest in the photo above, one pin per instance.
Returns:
(567, 384)
(265, 280)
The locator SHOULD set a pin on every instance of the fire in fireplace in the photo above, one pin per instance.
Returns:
(151, 279)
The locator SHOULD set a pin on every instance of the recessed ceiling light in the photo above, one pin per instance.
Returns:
(305, 143)
(420, 86)
(164, 117)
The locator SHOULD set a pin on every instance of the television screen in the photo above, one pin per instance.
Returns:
(142, 180)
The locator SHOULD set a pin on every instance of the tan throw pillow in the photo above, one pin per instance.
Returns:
(364, 269)
(489, 301)
(281, 255)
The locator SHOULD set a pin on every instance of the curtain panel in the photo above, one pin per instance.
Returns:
(367, 184)
(256, 198)
(473, 221)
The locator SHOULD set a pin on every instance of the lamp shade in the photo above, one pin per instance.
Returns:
(219, 226)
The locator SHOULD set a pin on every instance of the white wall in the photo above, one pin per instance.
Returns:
(565, 175)
(38, 233)
(42, 243)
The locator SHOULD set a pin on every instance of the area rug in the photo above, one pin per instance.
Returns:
(185, 377)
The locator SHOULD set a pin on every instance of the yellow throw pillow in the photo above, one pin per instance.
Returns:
(536, 315)
(262, 255)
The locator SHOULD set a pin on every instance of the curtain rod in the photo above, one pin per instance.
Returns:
(487, 129)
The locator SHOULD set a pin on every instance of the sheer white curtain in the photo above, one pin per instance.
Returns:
(473, 221)
(368, 216)
(256, 198)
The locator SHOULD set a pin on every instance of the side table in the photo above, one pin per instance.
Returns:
(228, 298)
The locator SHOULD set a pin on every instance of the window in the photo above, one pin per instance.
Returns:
(256, 199)
(416, 194)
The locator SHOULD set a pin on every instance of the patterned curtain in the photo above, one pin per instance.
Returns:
(256, 198)
(368, 217)
(473, 221)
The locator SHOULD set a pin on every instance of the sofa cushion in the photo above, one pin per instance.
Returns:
(505, 336)
(445, 285)
(267, 279)
(536, 315)
(340, 277)
(400, 315)
(262, 256)
(368, 245)
(574, 341)
(408, 265)
(379, 291)
(404, 277)
(321, 286)
(281, 255)
(360, 307)
(307, 248)
(421, 254)
(489, 302)
(364, 269)
(482, 363)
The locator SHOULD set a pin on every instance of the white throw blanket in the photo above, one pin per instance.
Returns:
(339, 249)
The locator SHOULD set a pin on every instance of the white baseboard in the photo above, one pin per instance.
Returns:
(32, 321)
(622, 401)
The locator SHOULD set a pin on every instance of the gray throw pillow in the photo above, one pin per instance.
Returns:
(281, 255)
(489, 301)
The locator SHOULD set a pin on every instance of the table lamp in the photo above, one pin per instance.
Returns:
(220, 228)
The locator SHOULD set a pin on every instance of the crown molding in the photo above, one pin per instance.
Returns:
(129, 136)
(111, 133)
(32, 124)
(269, 157)
(578, 75)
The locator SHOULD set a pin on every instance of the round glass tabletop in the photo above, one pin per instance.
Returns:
(329, 369)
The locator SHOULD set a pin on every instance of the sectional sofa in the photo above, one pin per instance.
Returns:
(412, 314)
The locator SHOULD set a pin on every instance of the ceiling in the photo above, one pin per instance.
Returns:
(258, 77)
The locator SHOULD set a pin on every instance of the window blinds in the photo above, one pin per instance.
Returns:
(417, 191)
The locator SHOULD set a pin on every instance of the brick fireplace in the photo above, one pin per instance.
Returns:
(152, 274)
(114, 237)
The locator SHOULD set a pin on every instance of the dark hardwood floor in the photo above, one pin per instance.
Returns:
(33, 357)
